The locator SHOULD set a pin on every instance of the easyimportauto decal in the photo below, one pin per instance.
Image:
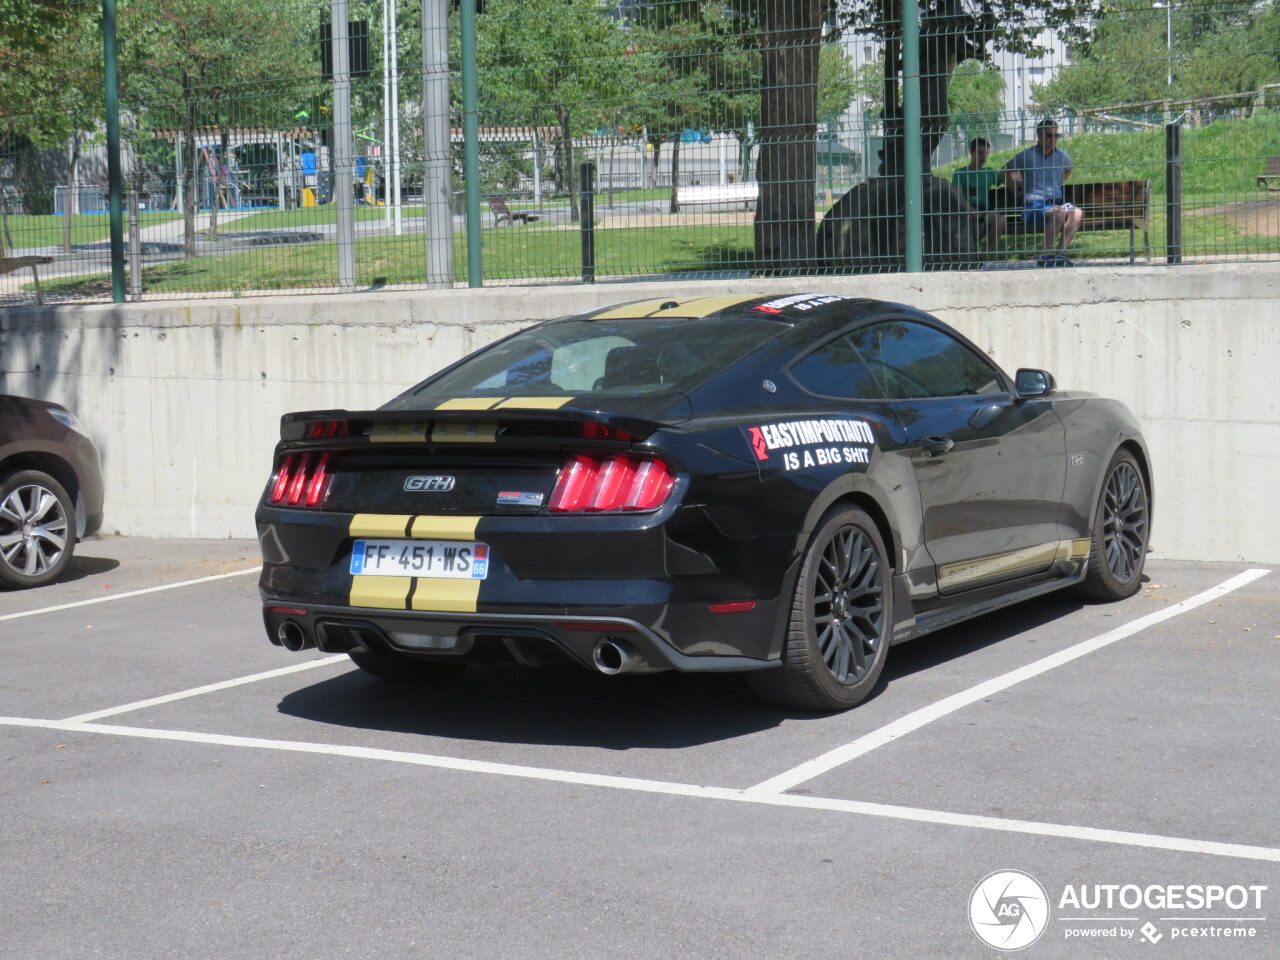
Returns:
(798, 301)
(816, 440)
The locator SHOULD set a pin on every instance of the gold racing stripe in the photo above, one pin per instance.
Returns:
(398, 433)
(465, 433)
(705, 306)
(469, 403)
(1074, 549)
(533, 403)
(685, 307)
(449, 596)
(955, 574)
(444, 528)
(379, 525)
(385, 593)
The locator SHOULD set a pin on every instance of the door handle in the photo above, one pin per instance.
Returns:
(936, 446)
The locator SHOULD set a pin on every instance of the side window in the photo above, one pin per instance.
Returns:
(835, 370)
(911, 360)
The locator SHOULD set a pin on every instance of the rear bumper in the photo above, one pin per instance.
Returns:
(663, 574)
(527, 638)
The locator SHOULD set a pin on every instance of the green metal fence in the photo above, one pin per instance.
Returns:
(442, 146)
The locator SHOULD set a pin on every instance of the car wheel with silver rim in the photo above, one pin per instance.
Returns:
(37, 529)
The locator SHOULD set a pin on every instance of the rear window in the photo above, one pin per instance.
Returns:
(609, 358)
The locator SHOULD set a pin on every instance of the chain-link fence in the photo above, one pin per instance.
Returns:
(538, 141)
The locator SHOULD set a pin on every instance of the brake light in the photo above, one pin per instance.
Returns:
(301, 479)
(602, 431)
(323, 429)
(603, 483)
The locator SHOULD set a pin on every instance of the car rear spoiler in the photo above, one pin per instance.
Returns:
(525, 425)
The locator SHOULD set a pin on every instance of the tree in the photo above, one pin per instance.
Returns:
(698, 73)
(975, 99)
(197, 60)
(1218, 48)
(838, 82)
(566, 58)
(50, 80)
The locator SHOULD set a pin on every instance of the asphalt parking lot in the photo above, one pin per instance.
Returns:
(172, 785)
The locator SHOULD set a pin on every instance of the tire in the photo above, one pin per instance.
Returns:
(841, 619)
(1121, 531)
(401, 669)
(37, 529)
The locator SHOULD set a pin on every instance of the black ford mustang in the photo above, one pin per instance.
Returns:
(783, 486)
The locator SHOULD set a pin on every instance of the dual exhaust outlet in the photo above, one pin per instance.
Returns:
(610, 656)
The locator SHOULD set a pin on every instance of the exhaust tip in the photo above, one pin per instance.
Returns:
(292, 637)
(613, 657)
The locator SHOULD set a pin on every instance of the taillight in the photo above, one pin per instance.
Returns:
(320, 429)
(301, 479)
(591, 430)
(600, 483)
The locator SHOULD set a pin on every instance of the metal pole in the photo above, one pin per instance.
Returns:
(537, 168)
(280, 170)
(1173, 192)
(913, 164)
(587, 222)
(471, 145)
(115, 179)
(179, 190)
(394, 197)
(135, 249)
(342, 161)
(437, 175)
(386, 117)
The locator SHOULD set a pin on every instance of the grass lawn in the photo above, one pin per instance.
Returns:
(28, 230)
(526, 253)
(307, 216)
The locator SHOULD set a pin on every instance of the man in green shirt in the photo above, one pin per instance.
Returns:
(976, 180)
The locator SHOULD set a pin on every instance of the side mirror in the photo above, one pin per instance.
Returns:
(1032, 383)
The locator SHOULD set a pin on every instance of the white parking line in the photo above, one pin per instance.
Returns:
(915, 814)
(129, 593)
(207, 688)
(935, 711)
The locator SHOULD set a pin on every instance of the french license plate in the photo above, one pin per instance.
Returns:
(448, 559)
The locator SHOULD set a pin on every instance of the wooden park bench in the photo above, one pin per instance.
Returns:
(1265, 180)
(1115, 205)
(502, 214)
(10, 264)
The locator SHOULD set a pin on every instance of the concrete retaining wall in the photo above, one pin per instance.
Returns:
(184, 398)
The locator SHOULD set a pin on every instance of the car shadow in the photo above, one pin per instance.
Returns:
(509, 703)
(935, 649)
(566, 706)
(80, 567)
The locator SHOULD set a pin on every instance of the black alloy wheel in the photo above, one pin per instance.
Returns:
(841, 619)
(1121, 531)
(37, 529)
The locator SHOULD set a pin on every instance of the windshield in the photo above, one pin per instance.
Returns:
(612, 358)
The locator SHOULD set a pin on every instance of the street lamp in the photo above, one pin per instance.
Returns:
(1167, 7)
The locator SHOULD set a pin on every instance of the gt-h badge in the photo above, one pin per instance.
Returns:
(429, 484)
